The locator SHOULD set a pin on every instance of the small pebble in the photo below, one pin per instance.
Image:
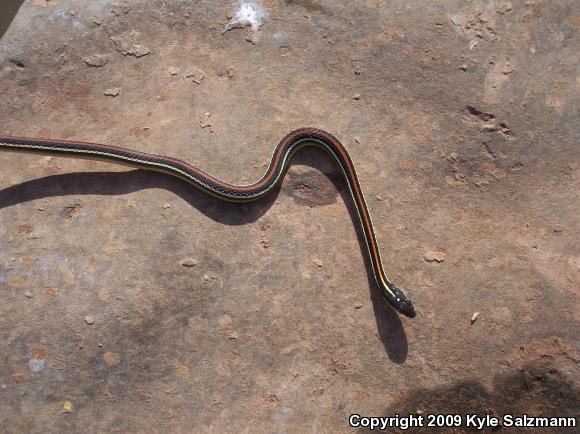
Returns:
(318, 262)
(474, 317)
(67, 407)
(489, 128)
(28, 294)
(96, 60)
(356, 96)
(89, 319)
(166, 205)
(356, 139)
(113, 91)
(463, 68)
(189, 263)
(357, 305)
(432, 256)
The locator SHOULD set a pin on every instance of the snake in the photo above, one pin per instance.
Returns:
(272, 177)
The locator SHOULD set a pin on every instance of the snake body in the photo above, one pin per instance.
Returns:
(237, 193)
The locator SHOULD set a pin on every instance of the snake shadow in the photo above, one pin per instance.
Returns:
(389, 325)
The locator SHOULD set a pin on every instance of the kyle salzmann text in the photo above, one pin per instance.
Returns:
(458, 420)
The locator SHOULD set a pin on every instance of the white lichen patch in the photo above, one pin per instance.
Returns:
(248, 13)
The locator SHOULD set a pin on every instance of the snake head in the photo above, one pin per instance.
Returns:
(397, 298)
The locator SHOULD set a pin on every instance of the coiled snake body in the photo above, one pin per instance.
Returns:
(271, 178)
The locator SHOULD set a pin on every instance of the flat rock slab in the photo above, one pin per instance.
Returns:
(133, 303)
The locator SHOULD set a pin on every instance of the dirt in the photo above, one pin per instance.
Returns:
(462, 120)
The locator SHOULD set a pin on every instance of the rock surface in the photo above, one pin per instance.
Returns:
(278, 326)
